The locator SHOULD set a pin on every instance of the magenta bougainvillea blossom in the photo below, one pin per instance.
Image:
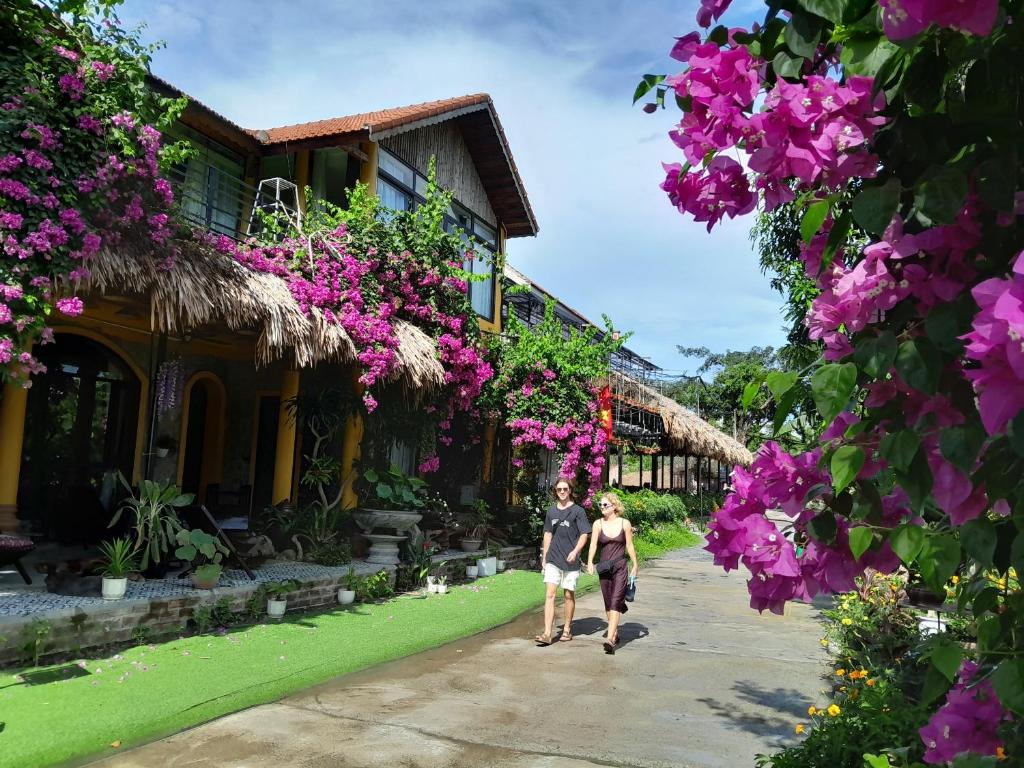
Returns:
(905, 18)
(967, 722)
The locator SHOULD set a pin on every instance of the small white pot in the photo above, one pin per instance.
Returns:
(114, 589)
(441, 589)
(431, 589)
(276, 608)
(501, 566)
(471, 571)
(346, 596)
(487, 566)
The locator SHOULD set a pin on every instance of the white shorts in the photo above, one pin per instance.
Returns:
(565, 579)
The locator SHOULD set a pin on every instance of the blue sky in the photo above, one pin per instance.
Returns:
(562, 75)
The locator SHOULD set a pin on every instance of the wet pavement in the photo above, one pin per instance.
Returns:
(698, 680)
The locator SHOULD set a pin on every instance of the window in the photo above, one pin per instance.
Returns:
(330, 168)
(402, 188)
(210, 185)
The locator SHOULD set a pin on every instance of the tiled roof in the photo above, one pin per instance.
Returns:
(380, 120)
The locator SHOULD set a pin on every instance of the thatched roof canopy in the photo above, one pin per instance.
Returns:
(205, 288)
(685, 431)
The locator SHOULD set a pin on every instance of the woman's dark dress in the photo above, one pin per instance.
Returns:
(613, 583)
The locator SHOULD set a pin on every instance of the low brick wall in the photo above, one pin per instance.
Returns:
(516, 558)
(74, 630)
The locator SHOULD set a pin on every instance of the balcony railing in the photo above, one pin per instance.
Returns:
(211, 197)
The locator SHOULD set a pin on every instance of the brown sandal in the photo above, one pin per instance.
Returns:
(543, 640)
(566, 637)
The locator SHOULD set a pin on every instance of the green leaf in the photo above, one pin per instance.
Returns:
(876, 761)
(784, 408)
(802, 35)
(867, 55)
(833, 10)
(899, 448)
(1015, 433)
(946, 658)
(941, 196)
(1008, 681)
(919, 364)
(860, 540)
(370, 475)
(814, 217)
(846, 463)
(938, 561)
(875, 206)
(875, 356)
(948, 321)
(832, 387)
(780, 382)
(643, 87)
(979, 540)
(786, 66)
(987, 600)
(823, 527)
(961, 445)
(384, 491)
(906, 541)
(935, 685)
(916, 480)
(997, 182)
(836, 239)
(749, 393)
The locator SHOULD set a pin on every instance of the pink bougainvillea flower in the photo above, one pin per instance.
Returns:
(967, 722)
(905, 18)
(711, 11)
(72, 306)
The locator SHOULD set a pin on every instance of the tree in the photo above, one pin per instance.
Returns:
(721, 401)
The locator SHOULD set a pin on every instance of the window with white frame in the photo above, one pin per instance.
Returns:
(401, 187)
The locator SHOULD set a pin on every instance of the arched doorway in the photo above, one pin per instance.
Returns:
(201, 459)
(80, 432)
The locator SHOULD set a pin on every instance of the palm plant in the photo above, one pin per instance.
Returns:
(118, 557)
(156, 521)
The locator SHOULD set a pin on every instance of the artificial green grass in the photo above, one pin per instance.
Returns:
(657, 542)
(152, 691)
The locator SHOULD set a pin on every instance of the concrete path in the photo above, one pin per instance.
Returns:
(700, 680)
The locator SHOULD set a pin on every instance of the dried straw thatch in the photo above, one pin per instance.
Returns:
(685, 431)
(205, 288)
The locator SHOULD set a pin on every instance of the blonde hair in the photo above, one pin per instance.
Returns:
(615, 501)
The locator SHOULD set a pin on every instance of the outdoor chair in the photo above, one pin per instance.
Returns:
(12, 549)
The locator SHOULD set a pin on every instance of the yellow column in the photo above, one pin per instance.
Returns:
(368, 169)
(284, 453)
(12, 434)
(351, 448)
(490, 430)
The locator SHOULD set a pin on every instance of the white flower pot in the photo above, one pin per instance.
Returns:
(487, 566)
(114, 589)
(501, 566)
(471, 571)
(431, 585)
(346, 596)
(441, 589)
(276, 608)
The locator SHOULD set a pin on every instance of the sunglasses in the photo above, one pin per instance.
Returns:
(561, 490)
(604, 505)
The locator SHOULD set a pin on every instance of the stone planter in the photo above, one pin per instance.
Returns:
(346, 596)
(393, 520)
(276, 608)
(471, 545)
(501, 565)
(471, 571)
(487, 566)
(383, 548)
(114, 589)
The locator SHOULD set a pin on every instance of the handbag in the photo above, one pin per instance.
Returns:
(631, 589)
(604, 566)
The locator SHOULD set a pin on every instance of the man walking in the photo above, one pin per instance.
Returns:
(565, 534)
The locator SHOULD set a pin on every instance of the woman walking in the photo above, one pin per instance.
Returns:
(614, 534)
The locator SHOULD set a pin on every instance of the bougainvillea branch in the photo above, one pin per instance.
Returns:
(894, 131)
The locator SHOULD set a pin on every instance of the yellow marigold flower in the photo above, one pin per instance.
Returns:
(955, 579)
(824, 642)
(847, 621)
(840, 672)
(894, 587)
(834, 710)
(799, 728)
(870, 681)
(812, 710)
(1000, 753)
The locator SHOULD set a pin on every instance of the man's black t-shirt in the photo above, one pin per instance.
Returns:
(565, 526)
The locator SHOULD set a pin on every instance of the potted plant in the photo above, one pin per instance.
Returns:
(488, 566)
(205, 553)
(156, 524)
(481, 519)
(441, 584)
(347, 593)
(392, 500)
(165, 444)
(118, 562)
(437, 577)
(277, 596)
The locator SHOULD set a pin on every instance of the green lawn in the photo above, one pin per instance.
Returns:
(155, 690)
